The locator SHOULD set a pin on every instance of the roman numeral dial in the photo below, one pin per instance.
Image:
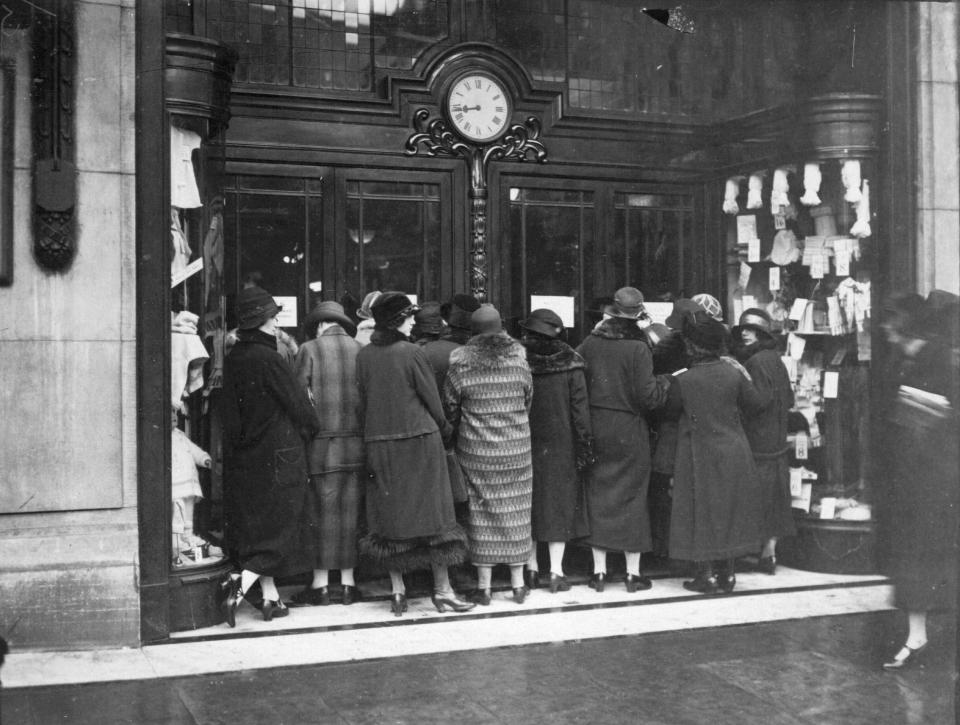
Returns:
(478, 106)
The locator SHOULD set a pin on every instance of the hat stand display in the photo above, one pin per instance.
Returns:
(806, 257)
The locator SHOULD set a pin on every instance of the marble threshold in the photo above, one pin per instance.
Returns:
(367, 630)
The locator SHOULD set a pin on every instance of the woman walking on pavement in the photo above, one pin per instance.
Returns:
(561, 441)
(716, 493)
(622, 390)
(487, 395)
(409, 502)
(265, 413)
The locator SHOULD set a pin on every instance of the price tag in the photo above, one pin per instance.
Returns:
(831, 383)
(779, 221)
(796, 483)
(795, 346)
(818, 263)
(774, 279)
(800, 449)
(753, 250)
(746, 228)
(749, 302)
(799, 307)
(745, 270)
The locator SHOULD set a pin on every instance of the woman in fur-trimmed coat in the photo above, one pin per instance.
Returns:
(409, 502)
(561, 439)
(487, 395)
(623, 390)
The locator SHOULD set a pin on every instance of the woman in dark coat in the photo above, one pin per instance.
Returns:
(716, 500)
(487, 395)
(409, 502)
(917, 511)
(561, 442)
(757, 349)
(622, 390)
(267, 417)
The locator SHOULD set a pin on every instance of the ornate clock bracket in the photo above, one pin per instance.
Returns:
(54, 180)
(520, 143)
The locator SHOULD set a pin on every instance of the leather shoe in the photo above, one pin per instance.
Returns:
(398, 604)
(637, 583)
(531, 578)
(480, 596)
(231, 600)
(597, 581)
(911, 658)
(558, 583)
(319, 597)
(442, 601)
(350, 594)
(702, 584)
(273, 610)
(519, 594)
(767, 565)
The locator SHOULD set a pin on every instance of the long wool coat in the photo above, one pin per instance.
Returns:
(265, 411)
(487, 394)
(623, 390)
(559, 427)
(409, 503)
(327, 369)
(716, 501)
(767, 433)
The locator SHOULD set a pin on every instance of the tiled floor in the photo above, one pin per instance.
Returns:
(813, 671)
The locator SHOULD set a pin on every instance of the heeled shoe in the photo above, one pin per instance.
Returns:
(726, 582)
(702, 584)
(637, 583)
(597, 581)
(309, 597)
(519, 594)
(767, 565)
(231, 600)
(911, 658)
(350, 595)
(273, 609)
(531, 578)
(441, 602)
(480, 596)
(398, 604)
(559, 583)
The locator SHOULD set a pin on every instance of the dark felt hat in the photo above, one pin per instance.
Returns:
(391, 308)
(461, 308)
(704, 331)
(429, 321)
(327, 312)
(627, 302)
(544, 321)
(254, 307)
(754, 319)
(682, 308)
(485, 320)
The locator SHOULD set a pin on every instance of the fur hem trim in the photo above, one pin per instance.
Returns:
(552, 356)
(619, 328)
(406, 555)
(490, 351)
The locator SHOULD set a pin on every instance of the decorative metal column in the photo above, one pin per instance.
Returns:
(520, 143)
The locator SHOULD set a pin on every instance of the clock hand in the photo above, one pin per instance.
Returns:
(463, 109)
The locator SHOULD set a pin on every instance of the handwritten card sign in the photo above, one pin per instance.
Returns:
(562, 305)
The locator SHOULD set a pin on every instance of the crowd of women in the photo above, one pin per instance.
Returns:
(427, 437)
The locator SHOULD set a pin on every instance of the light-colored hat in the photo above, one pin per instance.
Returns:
(627, 302)
(710, 305)
(364, 312)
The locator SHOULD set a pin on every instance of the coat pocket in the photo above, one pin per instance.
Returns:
(289, 466)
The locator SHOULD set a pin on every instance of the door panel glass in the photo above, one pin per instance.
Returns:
(649, 234)
(392, 239)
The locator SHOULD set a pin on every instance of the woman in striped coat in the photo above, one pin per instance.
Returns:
(487, 395)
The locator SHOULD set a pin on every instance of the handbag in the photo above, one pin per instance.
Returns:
(458, 482)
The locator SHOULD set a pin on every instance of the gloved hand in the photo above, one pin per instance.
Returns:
(585, 456)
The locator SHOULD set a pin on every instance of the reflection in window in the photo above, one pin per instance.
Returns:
(551, 249)
(393, 239)
(649, 234)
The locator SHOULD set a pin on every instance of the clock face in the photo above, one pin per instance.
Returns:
(478, 106)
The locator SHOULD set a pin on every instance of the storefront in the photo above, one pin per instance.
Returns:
(333, 155)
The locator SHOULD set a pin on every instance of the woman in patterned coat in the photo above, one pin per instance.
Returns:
(487, 395)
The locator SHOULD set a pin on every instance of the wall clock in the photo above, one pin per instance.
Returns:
(478, 106)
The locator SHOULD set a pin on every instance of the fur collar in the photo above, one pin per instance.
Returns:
(552, 356)
(619, 328)
(257, 337)
(383, 337)
(490, 350)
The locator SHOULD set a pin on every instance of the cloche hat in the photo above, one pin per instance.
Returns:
(327, 312)
(485, 320)
(704, 331)
(254, 307)
(545, 322)
(754, 319)
(391, 308)
(627, 302)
